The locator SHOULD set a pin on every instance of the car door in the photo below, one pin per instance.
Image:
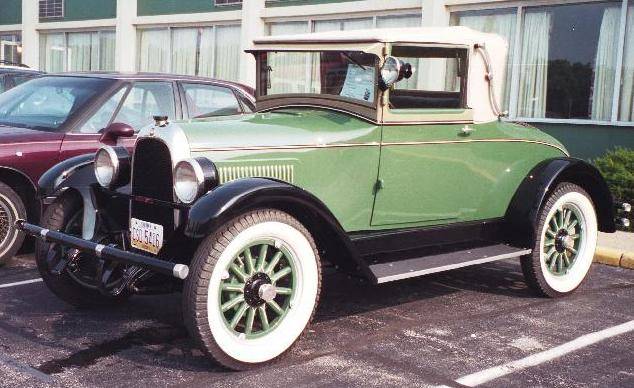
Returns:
(209, 100)
(135, 106)
(431, 170)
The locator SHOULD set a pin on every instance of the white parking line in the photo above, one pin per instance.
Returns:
(495, 372)
(7, 285)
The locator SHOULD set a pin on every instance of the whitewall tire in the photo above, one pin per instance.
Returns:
(565, 241)
(253, 288)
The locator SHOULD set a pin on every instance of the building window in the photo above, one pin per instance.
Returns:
(77, 51)
(227, 2)
(345, 24)
(568, 58)
(564, 62)
(51, 9)
(10, 48)
(502, 22)
(626, 103)
(212, 51)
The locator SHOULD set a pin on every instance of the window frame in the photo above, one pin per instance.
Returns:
(162, 27)
(520, 7)
(130, 84)
(66, 33)
(464, 81)
(183, 95)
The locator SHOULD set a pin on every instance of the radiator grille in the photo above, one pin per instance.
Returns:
(152, 178)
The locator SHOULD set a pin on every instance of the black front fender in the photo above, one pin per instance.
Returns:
(230, 199)
(58, 176)
(523, 211)
(74, 174)
(234, 198)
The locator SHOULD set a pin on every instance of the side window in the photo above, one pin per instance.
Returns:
(102, 117)
(439, 78)
(2, 79)
(146, 100)
(210, 100)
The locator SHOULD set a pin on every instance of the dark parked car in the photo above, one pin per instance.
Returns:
(56, 117)
(12, 75)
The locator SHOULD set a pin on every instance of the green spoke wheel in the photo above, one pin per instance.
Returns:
(257, 288)
(564, 244)
(564, 236)
(253, 288)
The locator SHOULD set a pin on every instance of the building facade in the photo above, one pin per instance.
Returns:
(570, 68)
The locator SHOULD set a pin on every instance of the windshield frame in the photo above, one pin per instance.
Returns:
(74, 117)
(367, 110)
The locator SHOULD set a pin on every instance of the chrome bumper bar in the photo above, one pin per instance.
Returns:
(179, 271)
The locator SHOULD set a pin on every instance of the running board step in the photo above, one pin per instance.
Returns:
(409, 268)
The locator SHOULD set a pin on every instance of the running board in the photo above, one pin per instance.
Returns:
(409, 268)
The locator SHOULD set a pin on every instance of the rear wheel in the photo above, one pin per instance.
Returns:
(77, 283)
(566, 238)
(11, 209)
(252, 289)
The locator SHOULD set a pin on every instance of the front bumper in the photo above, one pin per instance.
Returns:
(179, 271)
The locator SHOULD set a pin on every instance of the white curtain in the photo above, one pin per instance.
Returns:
(153, 50)
(503, 24)
(605, 65)
(626, 107)
(184, 44)
(534, 65)
(107, 44)
(206, 50)
(228, 51)
(53, 52)
(342, 24)
(83, 51)
(397, 21)
(288, 28)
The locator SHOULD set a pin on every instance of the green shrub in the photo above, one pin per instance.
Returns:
(617, 167)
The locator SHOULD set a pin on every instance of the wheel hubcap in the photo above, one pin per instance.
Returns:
(257, 288)
(563, 237)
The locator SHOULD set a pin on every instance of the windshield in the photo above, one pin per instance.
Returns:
(48, 103)
(346, 74)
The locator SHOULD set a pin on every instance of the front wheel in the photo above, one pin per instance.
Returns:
(253, 288)
(565, 241)
(11, 209)
(77, 284)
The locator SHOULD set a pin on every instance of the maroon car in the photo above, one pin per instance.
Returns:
(55, 117)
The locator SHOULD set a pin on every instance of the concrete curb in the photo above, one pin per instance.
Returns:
(614, 257)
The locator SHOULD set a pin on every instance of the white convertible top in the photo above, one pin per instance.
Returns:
(483, 97)
(437, 35)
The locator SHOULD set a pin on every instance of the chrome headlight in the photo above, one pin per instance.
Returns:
(112, 166)
(193, 178)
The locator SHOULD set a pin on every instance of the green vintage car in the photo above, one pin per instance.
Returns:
(380, 151)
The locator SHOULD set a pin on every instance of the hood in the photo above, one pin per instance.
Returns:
(283, 127)
(12, 135)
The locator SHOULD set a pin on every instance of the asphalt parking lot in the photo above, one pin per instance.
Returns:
(464, 327)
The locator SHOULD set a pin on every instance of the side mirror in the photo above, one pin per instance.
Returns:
(114, 131)
(392, 71)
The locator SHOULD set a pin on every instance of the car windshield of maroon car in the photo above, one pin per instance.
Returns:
(48, 103)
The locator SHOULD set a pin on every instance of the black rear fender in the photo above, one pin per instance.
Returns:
(523, 211)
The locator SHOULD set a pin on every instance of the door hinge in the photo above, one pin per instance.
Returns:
(380, 184)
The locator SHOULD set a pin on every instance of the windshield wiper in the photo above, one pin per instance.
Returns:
(349, 58)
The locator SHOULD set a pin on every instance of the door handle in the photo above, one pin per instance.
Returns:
(466, 130)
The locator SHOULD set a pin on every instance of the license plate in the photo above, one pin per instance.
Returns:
(146, 235)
